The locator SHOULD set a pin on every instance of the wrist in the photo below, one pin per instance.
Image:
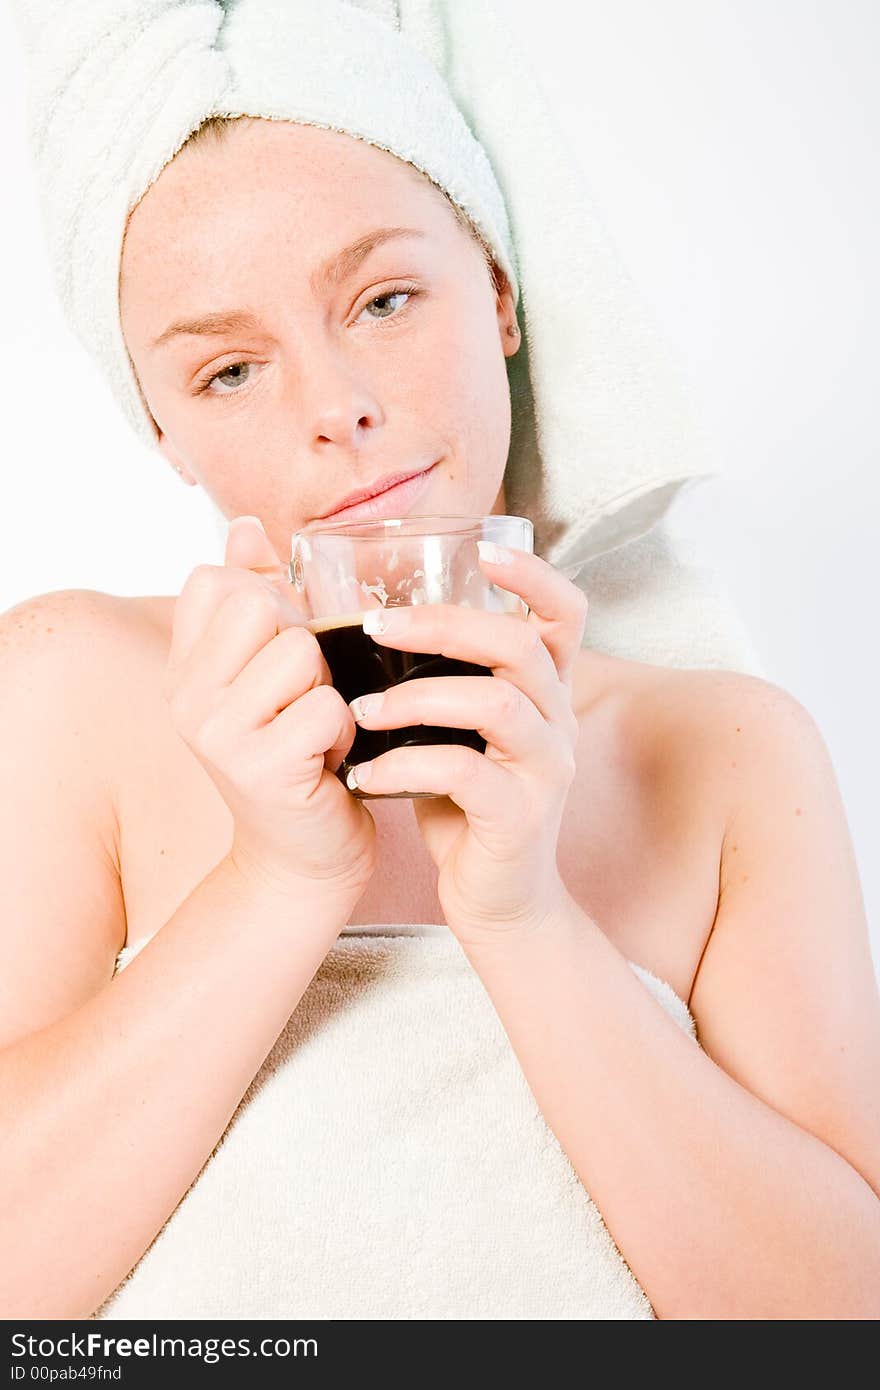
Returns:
(263, 886)
(552, 916)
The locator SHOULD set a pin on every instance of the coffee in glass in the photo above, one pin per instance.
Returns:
(343, 572)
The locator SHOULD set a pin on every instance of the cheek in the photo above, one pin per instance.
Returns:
(212, 439)
(462, 397)
(174, 412)
(456, 378)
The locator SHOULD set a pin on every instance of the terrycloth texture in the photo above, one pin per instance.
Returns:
(389, 1161)
(602, 429)
(655, 600)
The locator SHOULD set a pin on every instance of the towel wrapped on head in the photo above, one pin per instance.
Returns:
(602, 442)
(603, 437)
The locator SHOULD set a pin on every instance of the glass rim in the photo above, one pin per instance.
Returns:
(380, 528)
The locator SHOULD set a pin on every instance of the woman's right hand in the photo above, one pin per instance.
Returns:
(250, 693)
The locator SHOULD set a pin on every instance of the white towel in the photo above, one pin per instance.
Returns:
(661, 598)
(602, 426)
(389, 1161)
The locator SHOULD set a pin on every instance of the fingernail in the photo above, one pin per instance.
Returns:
(495, 554)
(377, 620)
(236, 519)
(358, 775)
(366, 704)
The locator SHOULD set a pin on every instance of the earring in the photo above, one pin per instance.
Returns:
(178, 469)
(513, 329)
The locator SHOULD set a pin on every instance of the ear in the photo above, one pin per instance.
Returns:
(506, 312)
(170, 453)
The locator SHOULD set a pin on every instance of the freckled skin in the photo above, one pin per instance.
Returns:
(337, 397)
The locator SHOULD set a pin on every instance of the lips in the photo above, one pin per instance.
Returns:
(386, 496)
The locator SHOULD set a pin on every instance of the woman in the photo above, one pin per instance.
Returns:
(687, 821)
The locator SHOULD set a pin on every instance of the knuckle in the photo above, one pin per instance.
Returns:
(305, 651)
(326, 695)
(206, 574)
(202, 575)
(215, 742)
(509, 700)
(252, 600)
(465, 765)
(301, 636)
(207, 739)
(202, 580)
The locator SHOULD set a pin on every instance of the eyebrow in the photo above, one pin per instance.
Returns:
(332, 272)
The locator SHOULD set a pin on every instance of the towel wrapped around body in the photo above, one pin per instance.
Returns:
(388, 1161)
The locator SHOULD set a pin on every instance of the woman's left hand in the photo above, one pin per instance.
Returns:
(493, 832)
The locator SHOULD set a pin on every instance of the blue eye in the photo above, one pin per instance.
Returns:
(240, 372)
(235, 370)
(397, 293)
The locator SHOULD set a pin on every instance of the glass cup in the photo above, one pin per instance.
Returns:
(340, 572)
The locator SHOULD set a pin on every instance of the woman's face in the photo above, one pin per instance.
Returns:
(325, 383)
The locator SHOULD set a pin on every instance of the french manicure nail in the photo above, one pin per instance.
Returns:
(377, 620)
(357, 775)
(366, 704)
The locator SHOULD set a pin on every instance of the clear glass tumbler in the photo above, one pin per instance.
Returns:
(339, 572)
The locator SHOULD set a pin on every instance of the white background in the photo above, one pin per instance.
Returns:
(731, 149)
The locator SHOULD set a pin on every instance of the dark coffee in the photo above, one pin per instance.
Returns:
(359, 665)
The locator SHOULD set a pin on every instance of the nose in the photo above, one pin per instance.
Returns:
(333, 399)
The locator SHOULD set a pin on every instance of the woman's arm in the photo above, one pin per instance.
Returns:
(114, 1090)
(109, 1114)
(741, 1179)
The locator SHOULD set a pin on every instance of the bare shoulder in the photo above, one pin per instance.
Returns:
(743, 759)
(65, 659)
(84, 634)
(70, 614)
(92, 635)
(786, 994)
(741, 706)
(78, 607)
(85, 650)
(664, 757)
(719, 735)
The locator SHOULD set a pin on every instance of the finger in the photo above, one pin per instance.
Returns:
(498, 710)
(557, 607)
(201, 597)
(281, 671)
(245, 621)
(315, 731)
(203, 593)
(249, 548)
(486, 791)
(508, 645)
